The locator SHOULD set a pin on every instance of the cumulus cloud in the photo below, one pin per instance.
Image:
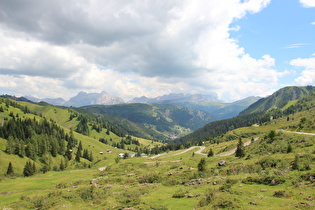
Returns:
(307, 3)
(129, 48)
(308, 75)
(308, 63)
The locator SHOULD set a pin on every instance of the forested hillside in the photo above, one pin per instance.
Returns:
(279, 99)
(152, 120)
(50, 138)
(265, 166)
(218, 128)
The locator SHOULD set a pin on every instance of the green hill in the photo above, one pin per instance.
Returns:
(152, 120)
(44, 135)
(276, 172)
(279, 99)
(278, 104)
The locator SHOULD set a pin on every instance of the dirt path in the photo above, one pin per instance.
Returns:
(312, 134)
(182, 152)
(231, 152)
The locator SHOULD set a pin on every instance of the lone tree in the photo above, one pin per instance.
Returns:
(210, 154)
(29, 169)
(202, 165)
(10, 169)
(240, 149)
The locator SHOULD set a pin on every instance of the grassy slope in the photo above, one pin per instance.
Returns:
(152, 186)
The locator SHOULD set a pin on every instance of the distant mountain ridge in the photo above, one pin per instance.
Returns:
(177, 97)
(259, 112)
(82, 99)
(209, 103)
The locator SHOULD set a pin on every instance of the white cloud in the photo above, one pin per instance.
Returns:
(166, 46)
(308, 75)
(308, 3)
(308, 63)
(297, 45)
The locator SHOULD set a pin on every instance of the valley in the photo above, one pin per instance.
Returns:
(261, 160)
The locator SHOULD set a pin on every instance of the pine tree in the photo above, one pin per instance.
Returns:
(210, 154)
(202, 165)
(62, 166)
(28, 169)
(80, 146)
(289, 149)
(78, 155)
(91, 158)
(240, 150)
(10, 169)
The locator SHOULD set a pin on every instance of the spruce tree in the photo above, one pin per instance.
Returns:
(202, 165)
(78, 155)
(240, 150)
(28, 169)
(62, 166)
(289, 149)
(210, 154)
(10, 169)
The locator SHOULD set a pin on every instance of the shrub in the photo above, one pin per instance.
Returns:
(86, 193)
(149, 178)
(267, 180)
(225, 202)
(179, 194)
(208, 198)
(281, 194)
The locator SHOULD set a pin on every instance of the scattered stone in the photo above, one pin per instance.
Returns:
(130, 175)
(170, 174)
(240, 185)
(108, 186)
(273, 182)
(102, 168)
(215, 183)
(309, 198)
(305, 204)
(190, 196)
(94, 181)
(253, 203)
(263, 190)
(6, 193)
(221, 163)
(196, 182)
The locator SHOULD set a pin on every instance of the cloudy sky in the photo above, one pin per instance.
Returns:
(131, 48)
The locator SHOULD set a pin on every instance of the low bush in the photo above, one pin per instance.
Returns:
(151, 177)
(267, 180)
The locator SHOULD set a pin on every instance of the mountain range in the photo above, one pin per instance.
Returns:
(82, 99)
(274, 106)
(209, 103)
(153, 121)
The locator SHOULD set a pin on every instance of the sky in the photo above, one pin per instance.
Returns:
(134, 48)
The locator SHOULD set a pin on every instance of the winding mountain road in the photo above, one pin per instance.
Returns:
(201, 148)
(303, 133)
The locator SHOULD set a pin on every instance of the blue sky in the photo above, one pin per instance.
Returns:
(234, 48)
(284, 30)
